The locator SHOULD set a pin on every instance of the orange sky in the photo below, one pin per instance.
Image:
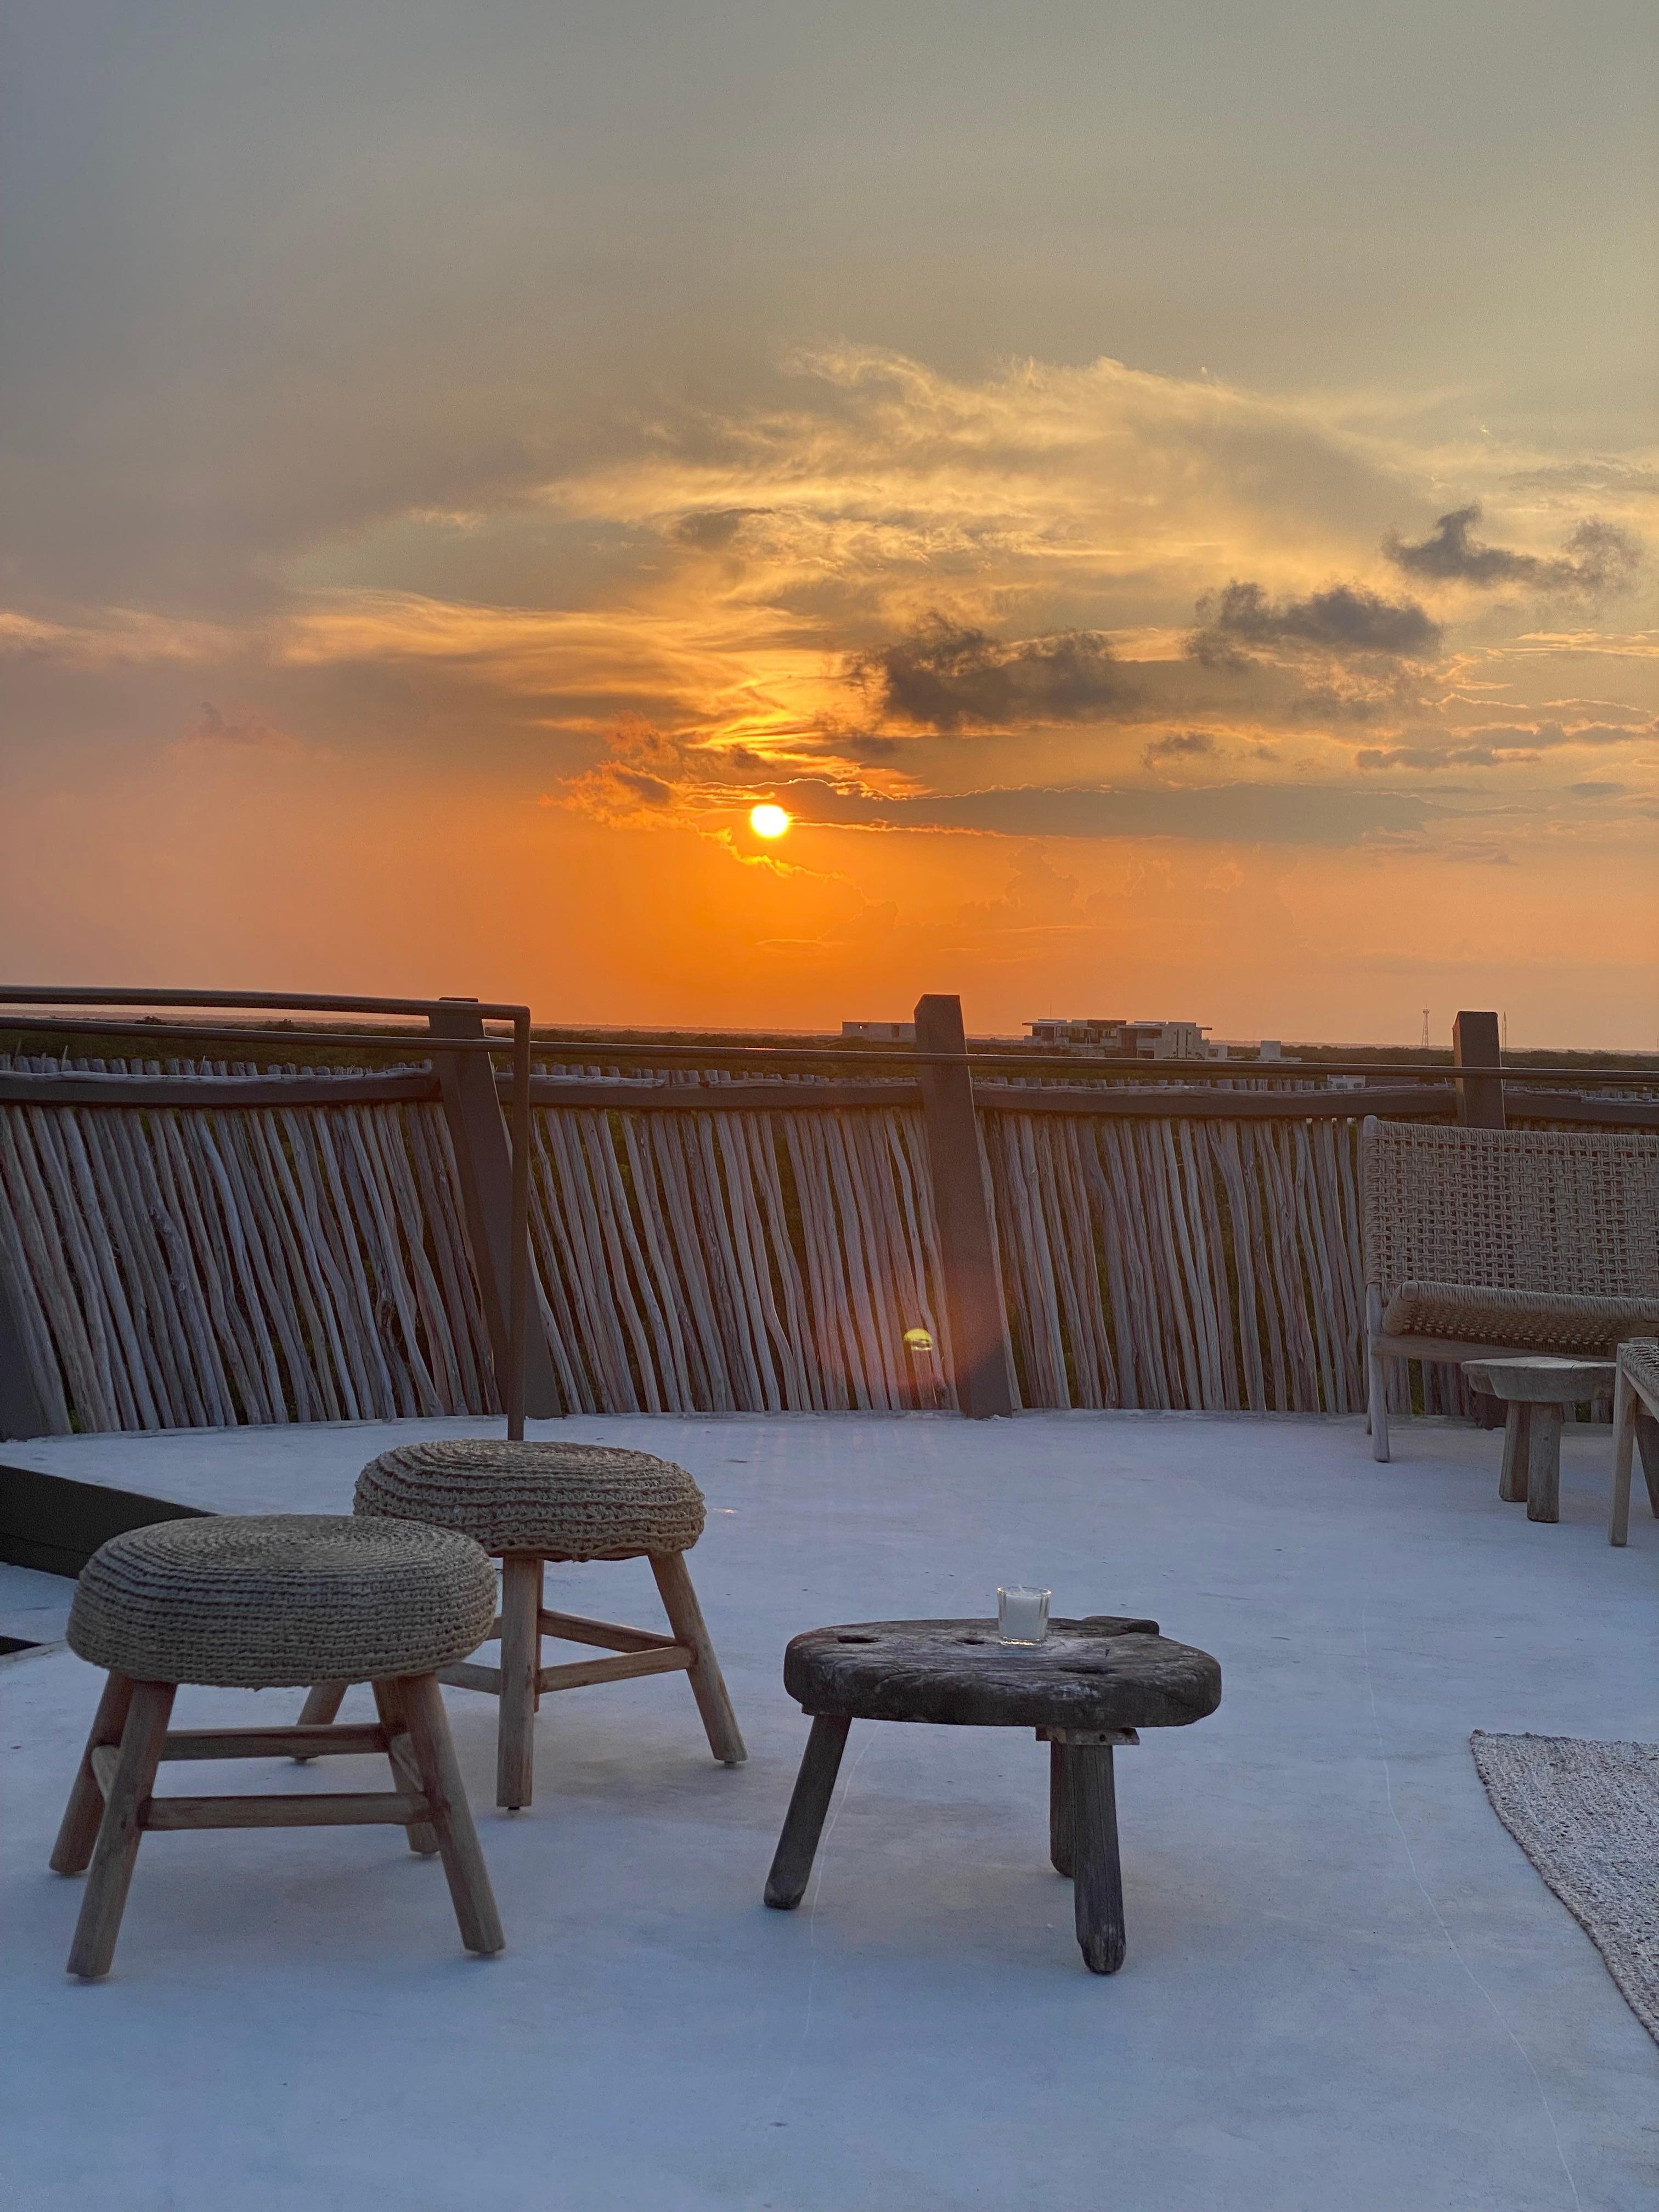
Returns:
(414, 573)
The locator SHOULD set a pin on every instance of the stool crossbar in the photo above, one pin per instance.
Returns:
(112, 1803)
(526, 1503)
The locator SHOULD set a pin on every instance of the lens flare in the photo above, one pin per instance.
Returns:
(768, 821)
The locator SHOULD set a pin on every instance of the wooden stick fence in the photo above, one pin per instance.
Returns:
(199, 1245)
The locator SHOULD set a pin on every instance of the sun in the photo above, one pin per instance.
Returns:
(768, 821)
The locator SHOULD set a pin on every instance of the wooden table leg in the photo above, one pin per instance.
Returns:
(1097, 1876)
(803, 1824)
(1517, 1444)
(1060, 1810)
(1544, 1464)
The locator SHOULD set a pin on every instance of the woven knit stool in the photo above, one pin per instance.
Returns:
(263, 1602)
(529, 1502)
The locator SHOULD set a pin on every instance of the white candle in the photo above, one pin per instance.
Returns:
(1022, 1614)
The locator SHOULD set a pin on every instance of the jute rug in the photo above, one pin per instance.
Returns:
(1587, 1815)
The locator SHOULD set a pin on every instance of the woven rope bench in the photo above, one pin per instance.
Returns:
(1634, 1428)
(527, 1504)
(257, 1602)
(1484, 1243)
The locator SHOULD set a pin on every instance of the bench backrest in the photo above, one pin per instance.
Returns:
(1510, 1209)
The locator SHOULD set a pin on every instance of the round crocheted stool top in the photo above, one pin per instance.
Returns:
(565, 1501)
(258, 1602)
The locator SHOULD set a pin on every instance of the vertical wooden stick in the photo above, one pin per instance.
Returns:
(707, 1683)
(470, 1890)
(117, 1847)
(521, 1659)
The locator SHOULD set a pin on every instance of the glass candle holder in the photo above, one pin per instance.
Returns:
(1022, 1614)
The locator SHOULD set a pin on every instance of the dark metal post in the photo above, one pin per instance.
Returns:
(495, 1195)
(1475, 1045)
(962, 1206)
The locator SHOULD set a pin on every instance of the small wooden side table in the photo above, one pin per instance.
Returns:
(1536, 1391)
(1091, 1685)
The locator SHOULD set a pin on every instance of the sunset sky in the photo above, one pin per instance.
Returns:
(1166, 496)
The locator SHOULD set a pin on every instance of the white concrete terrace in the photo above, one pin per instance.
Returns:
(1346, 1987)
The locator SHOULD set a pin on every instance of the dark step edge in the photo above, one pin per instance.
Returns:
(55, 1524)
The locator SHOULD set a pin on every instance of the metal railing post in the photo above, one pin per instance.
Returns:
(981, 1354)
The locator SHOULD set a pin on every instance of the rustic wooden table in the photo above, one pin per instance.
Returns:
(1535, 1392)
(1089, 1685)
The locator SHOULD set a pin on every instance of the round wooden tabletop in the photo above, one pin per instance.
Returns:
(1540, 1379)
(1108, 1671)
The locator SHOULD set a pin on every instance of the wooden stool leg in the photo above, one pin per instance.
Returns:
(322, 1702)
(84, 1813)
(522, 1661)
(1544, 1465)
(142, 1742)
(707, 1683)
(422, 1707)
(1097, 1876)
(405, 1770)
(1517, 1444)
(1060, 1810)
(1624, 1451)
(803, 1824)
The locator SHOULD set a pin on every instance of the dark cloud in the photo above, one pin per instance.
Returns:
(1599, 558)
(1229, 814)
(1347, 619)
(1598, 790)
(1500, 745)
(945, 677)
(1180, 744)
(715, 526)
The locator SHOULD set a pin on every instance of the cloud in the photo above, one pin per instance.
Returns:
(1346, 619)
(1500, 744)
(1598, 558)
(240, 731)
(944, 676)
(714, 528)
(1238, 813)
(1598, 790)
(1182, 744)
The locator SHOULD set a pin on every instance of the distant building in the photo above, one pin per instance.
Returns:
(881, 1032)
(1123, 1040)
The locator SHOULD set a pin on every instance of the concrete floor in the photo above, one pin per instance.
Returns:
(1346, 1990)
